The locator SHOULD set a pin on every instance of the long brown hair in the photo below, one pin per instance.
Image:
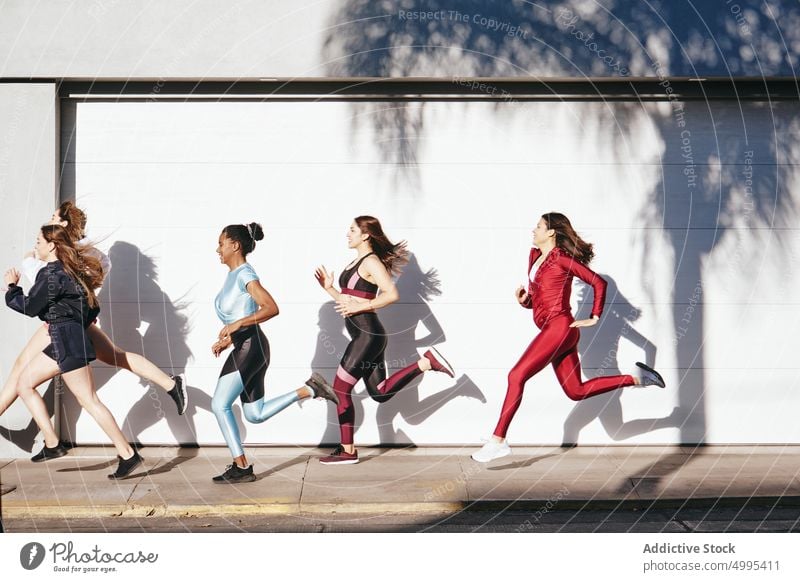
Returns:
(393, 255)
(75, 219)
(78, 260)
(567, 239)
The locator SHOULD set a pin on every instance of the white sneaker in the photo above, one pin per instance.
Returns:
(491, 450)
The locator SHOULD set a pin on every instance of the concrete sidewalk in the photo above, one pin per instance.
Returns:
(177, 481)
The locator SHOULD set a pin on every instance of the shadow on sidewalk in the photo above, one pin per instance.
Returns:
(525, 463)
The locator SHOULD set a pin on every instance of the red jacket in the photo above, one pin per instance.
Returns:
(549, 292)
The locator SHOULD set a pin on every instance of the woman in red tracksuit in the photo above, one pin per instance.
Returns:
(558, 256)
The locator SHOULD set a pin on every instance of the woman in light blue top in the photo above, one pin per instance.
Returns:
(241, 305)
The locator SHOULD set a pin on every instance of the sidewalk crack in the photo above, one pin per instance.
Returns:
(141, 480)
(303, 484)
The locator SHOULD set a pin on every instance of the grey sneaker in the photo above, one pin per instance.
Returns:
(649, 377)
(321, 389)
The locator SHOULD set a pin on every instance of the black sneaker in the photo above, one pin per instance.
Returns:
(48, 453)
(126, 466)
(178, 393)
(321, 389)
(235, 474)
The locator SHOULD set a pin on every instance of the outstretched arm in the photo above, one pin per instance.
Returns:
(38, 297)
(325, 280)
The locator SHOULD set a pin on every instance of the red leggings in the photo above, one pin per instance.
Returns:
(556, 344)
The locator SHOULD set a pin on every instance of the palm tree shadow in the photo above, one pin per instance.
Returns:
(599, 347)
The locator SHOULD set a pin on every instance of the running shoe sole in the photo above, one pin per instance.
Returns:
(344, 462)
(55, 453)
(504, 454)
(658, 377)
(182, 387)
(321, 389)
(248, 479)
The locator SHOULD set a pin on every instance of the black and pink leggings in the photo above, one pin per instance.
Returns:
(556, 344)
(363, 359)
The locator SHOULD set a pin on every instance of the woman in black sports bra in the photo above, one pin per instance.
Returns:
(367, 285)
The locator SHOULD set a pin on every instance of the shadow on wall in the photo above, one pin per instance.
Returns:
(139, 317)
(401, 321)
(598, 348)
(700, 195)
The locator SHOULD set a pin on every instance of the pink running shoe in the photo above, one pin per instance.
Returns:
(438, 363)
(340, 457)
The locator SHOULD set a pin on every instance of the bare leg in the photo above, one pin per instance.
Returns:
(81, 384)
(39, 370)
(35, 345)
(110, 354)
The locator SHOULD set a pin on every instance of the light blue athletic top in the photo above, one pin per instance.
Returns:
(233, 301)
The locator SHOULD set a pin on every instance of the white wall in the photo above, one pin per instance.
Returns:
(28, 163)
(642, 171)
(704, 264)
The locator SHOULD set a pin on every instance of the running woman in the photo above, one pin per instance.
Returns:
(377, 260)
(73, 219)
(559, 255)
(242, 304)
(63, 297)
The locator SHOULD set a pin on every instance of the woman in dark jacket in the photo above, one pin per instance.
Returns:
(63, 297)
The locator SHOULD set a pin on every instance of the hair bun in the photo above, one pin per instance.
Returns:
(256, 231)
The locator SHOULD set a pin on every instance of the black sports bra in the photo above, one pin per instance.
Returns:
(354, 284)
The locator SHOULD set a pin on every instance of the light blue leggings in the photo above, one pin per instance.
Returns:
(229, 387)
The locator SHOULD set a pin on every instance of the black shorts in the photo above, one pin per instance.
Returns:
(69, 346)
(250, 357)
